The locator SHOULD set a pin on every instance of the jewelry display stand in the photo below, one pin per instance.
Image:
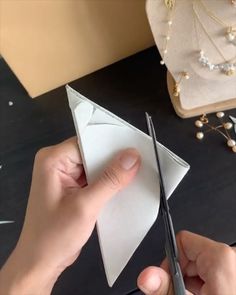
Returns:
(183, 113)
(206, 90)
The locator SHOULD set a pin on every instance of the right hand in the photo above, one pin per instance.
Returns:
(208, 267)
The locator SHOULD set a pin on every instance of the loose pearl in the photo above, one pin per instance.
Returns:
(199, 135)
(198, 123)
(220, 114)
(234, 148)
(231, 143)
(162, 62)
(228, 125)
(169, 22)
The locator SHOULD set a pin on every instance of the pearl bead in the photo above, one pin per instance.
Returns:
(228, 125)
(201, 52)
(230, 37)
(234, 148)
(220, 114)
(199, 135)
(231, 143)
(168, 38)
(169, 22)
(186, 76)
(198, 124)
(165, 51)
(162, 62)
(10, 103)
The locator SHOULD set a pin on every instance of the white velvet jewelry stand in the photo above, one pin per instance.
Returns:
(206, 91)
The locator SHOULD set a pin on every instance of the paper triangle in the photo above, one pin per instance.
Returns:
(127, 218)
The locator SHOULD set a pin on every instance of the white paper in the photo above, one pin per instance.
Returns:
(128, 216)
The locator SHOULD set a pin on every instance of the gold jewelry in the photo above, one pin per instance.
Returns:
(228, 67)
(230, 30)
(170, 4)
(226, 126)
(177, 89)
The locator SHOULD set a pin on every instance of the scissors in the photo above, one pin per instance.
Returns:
(170, 241)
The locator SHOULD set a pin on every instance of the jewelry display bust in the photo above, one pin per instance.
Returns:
(202, 43)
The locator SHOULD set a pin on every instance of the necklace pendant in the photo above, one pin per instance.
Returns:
(231, 34)
(230, 72)
(229, 69)
(170, 4)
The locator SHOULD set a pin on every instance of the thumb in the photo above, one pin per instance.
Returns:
(155, 281)
(117, 175)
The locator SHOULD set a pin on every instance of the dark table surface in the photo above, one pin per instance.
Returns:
(205, 201)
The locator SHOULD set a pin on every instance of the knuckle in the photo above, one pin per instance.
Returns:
(226, 251)
(44, 157)
(110, 178)
(181, 234)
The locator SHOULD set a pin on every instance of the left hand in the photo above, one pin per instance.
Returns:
(61, 216)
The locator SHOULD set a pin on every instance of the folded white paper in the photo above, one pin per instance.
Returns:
(127, 218)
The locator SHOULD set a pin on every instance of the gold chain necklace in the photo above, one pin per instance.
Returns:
(228, 67)
(230, 29)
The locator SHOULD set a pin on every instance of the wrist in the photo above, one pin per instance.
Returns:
(22, 275)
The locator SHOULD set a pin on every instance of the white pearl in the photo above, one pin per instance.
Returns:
(168, 38)
(10, 103)
(234, 148)
(220, 114)
(231, 143)
(165, 51)
(169, 22)
(201, 52)
(198, 123)
(228, 125)
(230, 36)
(0, 166)
(186, 76)
(199, 135)
(162, 62)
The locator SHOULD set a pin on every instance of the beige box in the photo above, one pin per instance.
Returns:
(48, 43)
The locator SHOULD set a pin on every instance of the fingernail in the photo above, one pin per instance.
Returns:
(128, 159)
(151, 286)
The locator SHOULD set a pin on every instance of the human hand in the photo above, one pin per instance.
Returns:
(208, 267)
(60, 216)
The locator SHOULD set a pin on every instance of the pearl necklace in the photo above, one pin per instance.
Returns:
(170, 5)
(230, 30)
(228, 67)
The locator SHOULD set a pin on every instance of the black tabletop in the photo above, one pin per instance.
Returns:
(204, 202)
